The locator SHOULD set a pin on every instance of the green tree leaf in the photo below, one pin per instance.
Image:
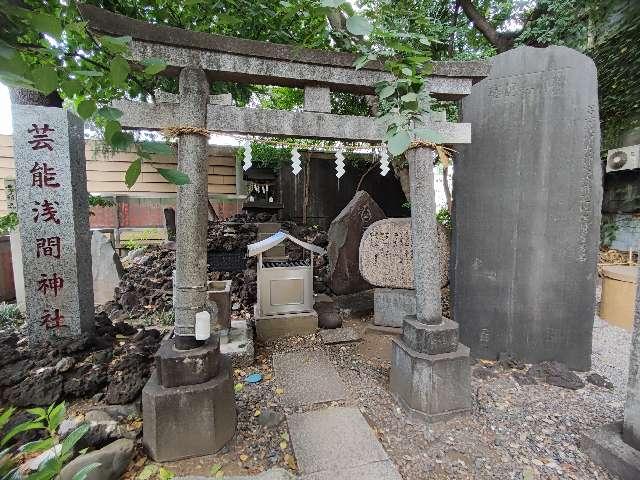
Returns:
(6, 50)
(45, 78)
(359, 25)
(71, 87)
(88, 73)
(22, 427)
(121, 141)
(332, 3)
(86, 108)
(174, 176)
(119, 71)
(74, 437)
(43, 22)
(5, 416)
(387, 91)
(153, 65)
(156, 147)
(428, 135)
(37, 446)
(110, 113)
(133, 172)
(56, 416)
(399, 143)
(85, 471)
(111, 128)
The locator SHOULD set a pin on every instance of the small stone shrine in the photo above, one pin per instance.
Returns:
(527, 204)
(53, 209)
(285, 290)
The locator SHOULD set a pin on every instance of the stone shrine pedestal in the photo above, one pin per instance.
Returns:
(188, 411)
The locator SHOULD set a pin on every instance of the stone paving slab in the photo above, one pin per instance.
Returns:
(340, 335)
(373, 471)
(307, 377)
(333, 440)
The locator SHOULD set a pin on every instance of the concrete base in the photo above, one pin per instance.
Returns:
(431, 388)
(191, 420)
(286, 325)
(391, 305)
(606, 448)
(238, 344)
(187, 367)
(430, 339)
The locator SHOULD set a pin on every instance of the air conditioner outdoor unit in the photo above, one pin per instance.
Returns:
(623, 158)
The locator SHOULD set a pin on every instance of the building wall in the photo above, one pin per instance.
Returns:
(142, 205)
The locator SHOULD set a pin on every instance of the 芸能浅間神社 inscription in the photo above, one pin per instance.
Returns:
(527, 209)
(52, 206)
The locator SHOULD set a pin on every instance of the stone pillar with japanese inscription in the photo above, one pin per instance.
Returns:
(528, 195)
(53, 212)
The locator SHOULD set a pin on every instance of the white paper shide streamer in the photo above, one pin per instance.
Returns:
(339, 161)
(295, 161)
(384, 161)
(246, 162)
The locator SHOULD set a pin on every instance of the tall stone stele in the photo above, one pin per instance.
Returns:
(53, 210)
(430, 373)
(527, 201)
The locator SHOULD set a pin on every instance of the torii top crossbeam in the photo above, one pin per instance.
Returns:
(254, 62)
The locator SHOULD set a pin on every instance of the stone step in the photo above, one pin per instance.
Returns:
(307, 378)
(337, 443)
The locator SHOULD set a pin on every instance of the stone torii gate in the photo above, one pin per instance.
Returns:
(430, 374)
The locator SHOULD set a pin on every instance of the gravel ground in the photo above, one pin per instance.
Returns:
(514, 432)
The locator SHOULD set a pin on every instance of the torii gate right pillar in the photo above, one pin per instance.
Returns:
(430, 372)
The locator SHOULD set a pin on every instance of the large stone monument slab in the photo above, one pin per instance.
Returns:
(527, 209)
(345, 234)
(53, 208)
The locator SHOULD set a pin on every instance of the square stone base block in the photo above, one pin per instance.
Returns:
(392, 305)
(286, 325)
(606, 448)
(431, 388)
(191, 420)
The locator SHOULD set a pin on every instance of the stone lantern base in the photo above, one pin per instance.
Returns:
(433, 384)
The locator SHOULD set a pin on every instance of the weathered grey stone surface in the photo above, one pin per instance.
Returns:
(52, 203)
(384, 470)
(333, 439)
(307, 377)
(219, 292)
(392, 305)
(188, 421)
(631, 422)
(426, 271)
(280, 123)
(340, 335)
(317, 99)
(527, 209)
(345, 234)
(176, 368)
(430, 339)
(386, 255)
(191, 212)
(431, 388)
(606, 448)
(113, 459)
(106, 268)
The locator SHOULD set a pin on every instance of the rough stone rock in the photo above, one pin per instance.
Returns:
(40, 388)
(483, 373)
(508, 361)
(103, 429)
(65, 364)
(106, 268)
(599, 381)
(523, 379)
(85, 380)
(386, 255)
(13, 373)
(127, 377)
(270, 418)
(113, 460)
(345, 234)
(557, 374)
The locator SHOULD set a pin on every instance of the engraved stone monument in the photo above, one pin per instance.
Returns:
(527, 209)
(52, 205)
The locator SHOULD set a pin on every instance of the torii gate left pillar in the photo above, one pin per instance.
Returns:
(188, 404)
